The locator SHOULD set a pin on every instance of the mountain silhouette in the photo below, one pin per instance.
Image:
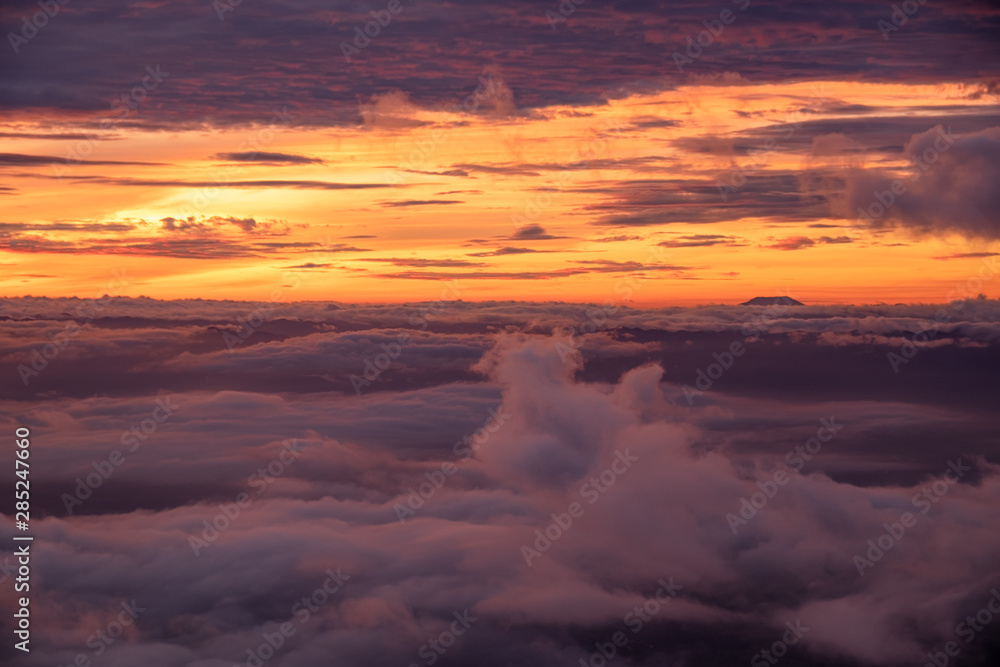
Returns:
(772, 301)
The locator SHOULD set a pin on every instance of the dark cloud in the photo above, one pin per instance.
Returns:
(210, 224)
(54, 136)
(488, 275)
(298, 185)
(780, 196)
(617, 239)
(21, 160)
(506, 170)
(702, 240)
(968, 255)
(533, 232)
(610, 266)
(800, 242)
(193, 237)
(647, 122)
(602, 52)
(66, 227)
(267, 158)
(420, 262)
(421, 202)
(506, 250)
(450, 172)
(952, 184)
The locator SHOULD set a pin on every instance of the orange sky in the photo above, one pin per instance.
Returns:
(499, 178)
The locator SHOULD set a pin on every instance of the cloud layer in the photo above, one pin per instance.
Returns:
(435, 440)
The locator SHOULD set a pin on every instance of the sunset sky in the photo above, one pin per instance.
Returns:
(259, 159)
(415, 333)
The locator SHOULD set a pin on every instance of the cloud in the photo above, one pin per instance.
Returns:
(778, 195)
(800, 242)
(421, 262)
(952, 185)
(968, 255)
(53, 136)
(117, 226)
(834, 144)
(532, 232)
(21, 160)
(607, 53)
(309, 265)
(391, 110)
(487, 275)
(610, 266)
(421, 202)
(617, 239)
(646, 122)
(506, 250)
(262, 157)
(596, 416)
(701, 240)
(204, 224)
(792, 243)
(300, 185)
(193, 237)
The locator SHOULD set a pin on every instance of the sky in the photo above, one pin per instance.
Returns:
(717, 152)
(416, 333)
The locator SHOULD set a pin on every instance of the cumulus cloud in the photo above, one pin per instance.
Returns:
(952, 184)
